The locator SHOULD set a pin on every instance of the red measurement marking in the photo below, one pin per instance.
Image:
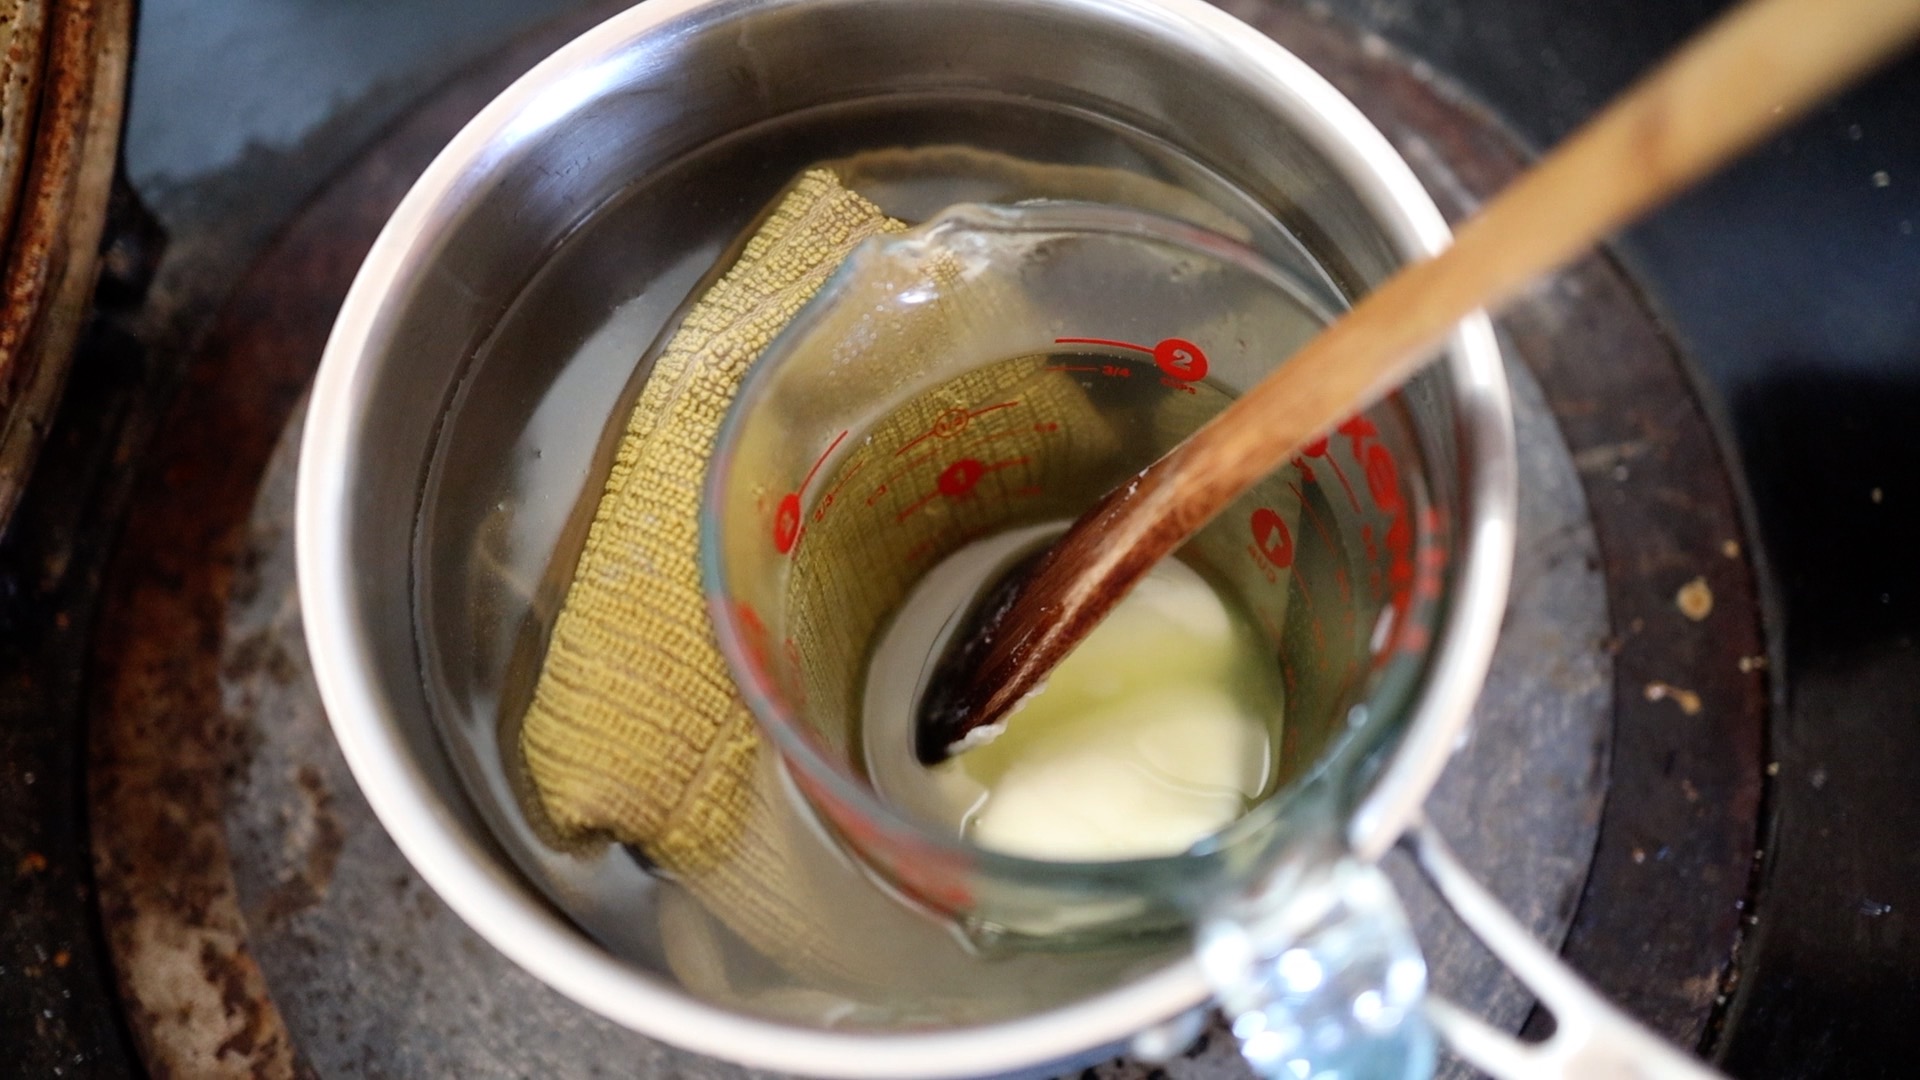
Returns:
(1358, 429)
(1175, 384)
(1177, 358)
(1326, 540)
(786, 523)
(1180, 359)
(953, 422)
(753, 634)
(1414, 638)
(957, 481)
(1341, 475)
(834, 493)
(1383, 484)
(786, 516)
(1272, 537)
(996, 436)
(1046, 427)
(1108, 342)
(1089, 368)
(896, 474)
(822, 459)
(959, 478)
(1427, 584)
(903, 515)
(1433, 557)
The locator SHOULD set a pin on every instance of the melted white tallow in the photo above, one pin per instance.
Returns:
(1149, 737)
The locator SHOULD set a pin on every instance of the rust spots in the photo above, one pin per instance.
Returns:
(58, 177)
(1688, 701)
(1695, 599)
(31, 863)
(311, 851)
(261, 652)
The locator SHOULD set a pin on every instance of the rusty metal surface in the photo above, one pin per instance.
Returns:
(1663, 911)
(53, 247)
(372, 974)
(23, 35)
(58, 1013)
(161, 743)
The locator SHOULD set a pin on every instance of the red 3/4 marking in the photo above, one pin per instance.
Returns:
(1177, 358)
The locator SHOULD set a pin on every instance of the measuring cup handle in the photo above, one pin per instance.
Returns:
(1592, 1038)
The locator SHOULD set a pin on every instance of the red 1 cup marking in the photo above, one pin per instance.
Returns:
(1270, 533)
(958, 478)
(1179, 359)
(786, 522)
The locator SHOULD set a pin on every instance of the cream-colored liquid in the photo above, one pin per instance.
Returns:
(1155, 733)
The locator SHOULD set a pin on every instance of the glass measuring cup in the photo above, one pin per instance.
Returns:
(997, 367)
(1003, 367)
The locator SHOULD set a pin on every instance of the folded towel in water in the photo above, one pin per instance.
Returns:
(635, 730)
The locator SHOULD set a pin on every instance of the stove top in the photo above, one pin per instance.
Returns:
(1705, 814)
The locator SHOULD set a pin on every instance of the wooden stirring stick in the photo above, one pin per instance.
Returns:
(1746, 76)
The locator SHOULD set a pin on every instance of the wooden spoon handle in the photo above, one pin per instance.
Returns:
(1748, 75)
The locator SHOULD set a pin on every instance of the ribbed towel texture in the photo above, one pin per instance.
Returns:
(635, 731)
